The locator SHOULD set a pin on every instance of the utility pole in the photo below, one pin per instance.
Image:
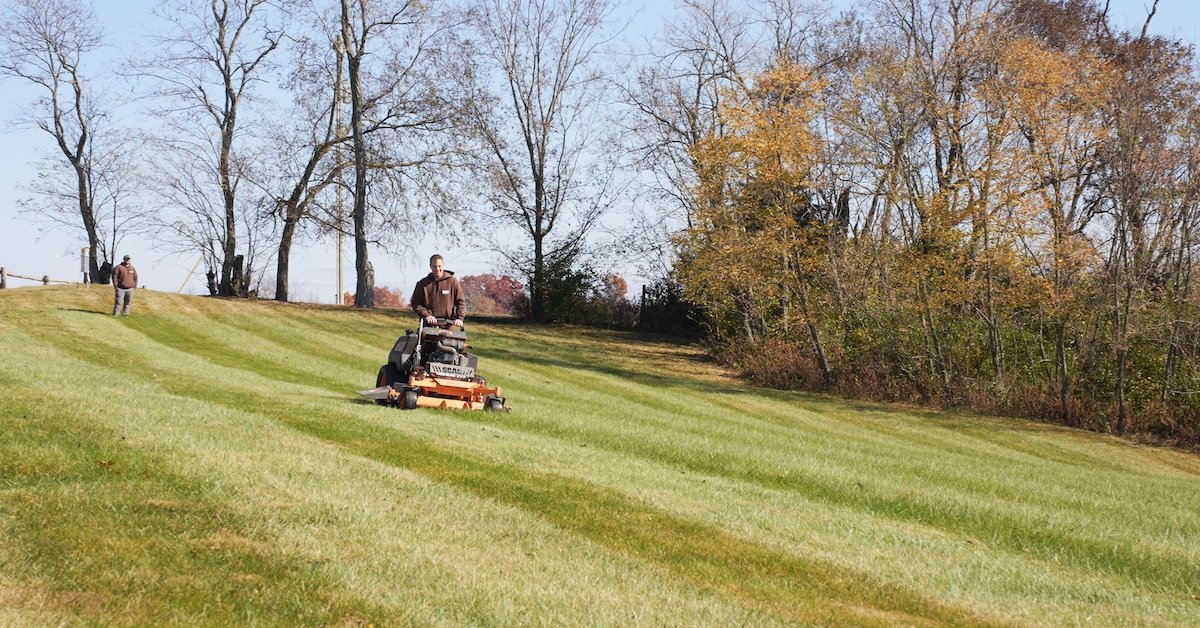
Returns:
(339, 101)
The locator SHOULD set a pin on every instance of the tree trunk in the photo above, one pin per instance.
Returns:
(228, 193)
(285, 250)
(364, 291)
(1060, 361)
(87, 213)
(1169, 366)
(933, 340)
(1122, 419)
(815, 337)
(741, 303)
(1121, 340)
(1183, 285)
(537, 291)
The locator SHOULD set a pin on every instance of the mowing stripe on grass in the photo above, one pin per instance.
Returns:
(990, 525)
(330, 349)
(779, 471)
(987, 524)
(787, 587)
(97, 525)
(195, 342)
(1002, 528)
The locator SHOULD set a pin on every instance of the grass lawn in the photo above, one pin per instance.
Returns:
(208, 461)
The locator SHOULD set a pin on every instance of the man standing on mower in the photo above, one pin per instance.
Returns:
(438, 295)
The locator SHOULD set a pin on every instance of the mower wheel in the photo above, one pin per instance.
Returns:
(495, 405)
(410, 399)
(386, 377)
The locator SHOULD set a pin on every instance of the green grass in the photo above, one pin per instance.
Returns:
(208, 462)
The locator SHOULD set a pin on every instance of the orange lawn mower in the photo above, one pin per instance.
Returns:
(432, 368)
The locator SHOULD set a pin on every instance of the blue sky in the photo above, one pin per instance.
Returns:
(27, 248)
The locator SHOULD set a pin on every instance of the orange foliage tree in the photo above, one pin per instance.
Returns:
(491, 295)
(384, 297)
(755, 240)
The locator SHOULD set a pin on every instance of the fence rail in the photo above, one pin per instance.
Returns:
(45, 279)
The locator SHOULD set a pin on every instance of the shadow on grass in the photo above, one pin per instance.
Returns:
(640, 377)
(73, 309)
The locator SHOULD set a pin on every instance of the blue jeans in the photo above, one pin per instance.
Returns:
(122, 297)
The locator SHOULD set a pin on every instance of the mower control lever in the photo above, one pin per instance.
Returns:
(446, 323)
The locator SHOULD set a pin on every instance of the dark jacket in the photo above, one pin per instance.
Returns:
(442, 298)
(124, 276)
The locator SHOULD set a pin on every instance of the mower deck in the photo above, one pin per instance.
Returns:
(415, 379)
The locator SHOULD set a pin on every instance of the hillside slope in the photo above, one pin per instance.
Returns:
(208, 461)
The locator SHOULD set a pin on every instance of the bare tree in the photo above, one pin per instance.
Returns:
(45, 42)
(205, 72)
(1141, 161)
(706, 56)
(677, 93)
(303, 145)
(401, 120)
(537, 61)
(114, 181)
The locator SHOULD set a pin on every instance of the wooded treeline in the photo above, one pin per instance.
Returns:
(989, 203)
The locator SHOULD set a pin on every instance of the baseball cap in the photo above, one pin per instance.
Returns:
(125, 258)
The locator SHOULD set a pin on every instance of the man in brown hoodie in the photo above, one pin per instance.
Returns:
(438, 295)
(124, 280)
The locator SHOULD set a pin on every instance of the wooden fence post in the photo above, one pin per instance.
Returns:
(3, 278)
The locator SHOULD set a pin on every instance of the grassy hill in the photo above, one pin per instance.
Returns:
(209, 462)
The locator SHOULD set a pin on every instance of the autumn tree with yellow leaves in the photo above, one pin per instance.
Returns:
(755, 239)
(983, 202)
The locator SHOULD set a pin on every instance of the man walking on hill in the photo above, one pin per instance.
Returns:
(439, 295)
(124, 278)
